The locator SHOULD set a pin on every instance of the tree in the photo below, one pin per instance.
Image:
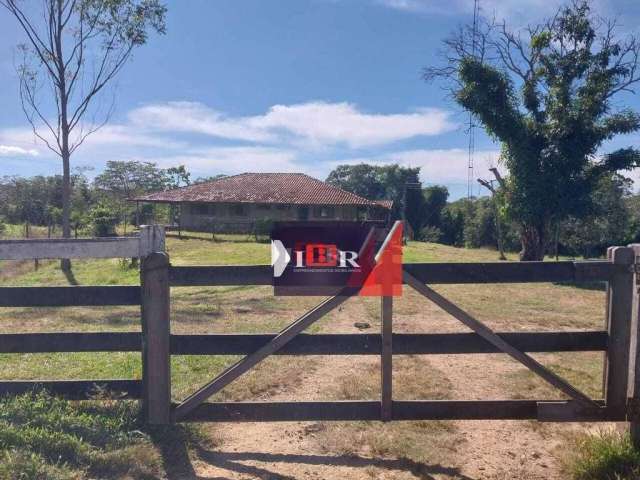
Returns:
(363, 179)
(546, 95)
(178, 176)
(120, 181)
(74, 49)
(387, 182)
(607, 223)
(435, 199)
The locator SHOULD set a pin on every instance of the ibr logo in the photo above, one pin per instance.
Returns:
(319, 255)
(326, 255)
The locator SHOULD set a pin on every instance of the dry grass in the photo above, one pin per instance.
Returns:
(421, 441)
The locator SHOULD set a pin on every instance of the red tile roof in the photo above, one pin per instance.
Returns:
(388, 204)
(283, 188)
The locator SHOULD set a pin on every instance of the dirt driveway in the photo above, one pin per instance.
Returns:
(402, 450)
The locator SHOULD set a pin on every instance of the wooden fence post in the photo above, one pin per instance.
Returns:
(151, 239)
(634, 404)
(619, 318)
(386, 358)
(156, 356)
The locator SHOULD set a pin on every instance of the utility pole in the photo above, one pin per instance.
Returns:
(407, 186)
(488, 184)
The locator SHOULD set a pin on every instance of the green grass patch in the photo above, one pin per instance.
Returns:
(42, 437)
(605, 456)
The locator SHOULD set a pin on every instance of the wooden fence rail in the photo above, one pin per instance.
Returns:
(151, 239)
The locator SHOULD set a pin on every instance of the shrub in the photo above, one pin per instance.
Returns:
(606, 456)
(104, 221)
(431, 234)
(262, 229)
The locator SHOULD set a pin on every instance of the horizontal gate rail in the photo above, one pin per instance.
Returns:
(432, 273)
(69, 296)
(403, 343)
(513, 272)
(402, 410)
(70, 342)
(306, 344)
(220, 275)
(76, 389)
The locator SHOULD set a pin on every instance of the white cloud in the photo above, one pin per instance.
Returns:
(14, 151)
(323, 123)
(195, 117)
(118, 136)
(445, 166)
(314, 124)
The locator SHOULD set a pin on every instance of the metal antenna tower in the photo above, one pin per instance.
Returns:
(472, 146)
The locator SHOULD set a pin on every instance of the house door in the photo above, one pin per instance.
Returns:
(303, 213)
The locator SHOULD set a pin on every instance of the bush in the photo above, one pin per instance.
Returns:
(262, 229)
(431, 234)
(104, 221)
(607, 456)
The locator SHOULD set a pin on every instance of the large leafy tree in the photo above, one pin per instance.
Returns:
(546, 94)
(384, 182)
(73, 50)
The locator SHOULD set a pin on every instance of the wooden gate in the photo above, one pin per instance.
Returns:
(618, 271)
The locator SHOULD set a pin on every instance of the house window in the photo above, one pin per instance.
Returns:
(203, 209)
(264, 206)
(324, 212)
(239, 210)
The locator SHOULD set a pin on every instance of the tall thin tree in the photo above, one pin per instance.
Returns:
(73, 50)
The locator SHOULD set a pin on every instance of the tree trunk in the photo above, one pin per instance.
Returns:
(65, 263)
(532, 238)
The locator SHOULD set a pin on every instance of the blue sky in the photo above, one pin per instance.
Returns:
(300, 85)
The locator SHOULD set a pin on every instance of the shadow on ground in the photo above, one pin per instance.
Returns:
(178, 466)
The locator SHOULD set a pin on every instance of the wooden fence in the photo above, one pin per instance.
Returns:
(150, 239)
(618, 339)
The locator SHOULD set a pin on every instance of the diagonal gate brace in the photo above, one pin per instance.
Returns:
(289, 333)
(498, 342)
(248, 362)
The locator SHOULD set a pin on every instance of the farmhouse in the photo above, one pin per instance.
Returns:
(236, 203)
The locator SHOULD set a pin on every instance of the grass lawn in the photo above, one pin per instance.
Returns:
(532, 307)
